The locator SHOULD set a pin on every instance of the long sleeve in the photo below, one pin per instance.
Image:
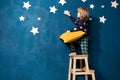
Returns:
(75, 21)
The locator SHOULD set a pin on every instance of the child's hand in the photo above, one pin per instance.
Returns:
(66, 12)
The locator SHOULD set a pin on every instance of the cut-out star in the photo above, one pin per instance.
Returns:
(22, 18)
(66, 11)
(62, 2)
(39, 18)
(102, 19)
(34, 30)
(90, 19)
(53, 9)
(83, 1)
(114, 4)
(102, 6)
(92, 6)
(26, 5)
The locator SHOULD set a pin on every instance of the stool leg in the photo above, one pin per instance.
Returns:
(69, 71)
(86, 64)
(74, 68)
(86, 77)
(93, 76)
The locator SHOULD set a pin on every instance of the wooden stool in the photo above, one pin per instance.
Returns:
(74, 71)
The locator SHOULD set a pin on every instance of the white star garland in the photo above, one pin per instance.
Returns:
(22, 18)
(83, 1)
(26, 5)
(114, 4)
(53, 9)
(102, 19)
(90, 19)
(102, 6)
(39, 18)
(66, 11)
(62, 2)
(34, 30)
(92, 6)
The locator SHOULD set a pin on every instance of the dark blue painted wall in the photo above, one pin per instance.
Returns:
(24, 56)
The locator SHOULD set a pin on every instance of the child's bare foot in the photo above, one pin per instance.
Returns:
(84, 68)
(72, 54)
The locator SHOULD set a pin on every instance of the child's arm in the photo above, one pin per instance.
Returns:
(71, 17)
(73, 20)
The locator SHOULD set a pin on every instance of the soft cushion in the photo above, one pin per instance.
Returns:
(71, 36)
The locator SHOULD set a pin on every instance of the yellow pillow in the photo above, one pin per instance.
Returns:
(71, 36)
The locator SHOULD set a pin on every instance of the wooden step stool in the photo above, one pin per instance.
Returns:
(79, 71)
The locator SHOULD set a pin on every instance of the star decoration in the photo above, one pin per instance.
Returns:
(34, 30)
(39, 18)
(53, 9)
(62, 2)
(90, 19)
(102, 6)
(22, 18)
(114, 4)
(66, 11)
(26, 5)
(92, 6)
(83, 1)
(102, 19)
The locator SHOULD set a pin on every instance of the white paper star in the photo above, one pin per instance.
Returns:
(83, 1)
(39, 18)
(53, 9)
(66, 11)
(26, 5)
(102, 19)
(62, 2)
(34, 30)
(102, 6)
(92, 6)
(114, 4)
(22, 18)
(90, 19)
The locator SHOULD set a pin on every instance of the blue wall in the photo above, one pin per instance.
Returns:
(24, 56)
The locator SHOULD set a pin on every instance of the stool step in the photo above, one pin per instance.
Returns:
(79, 72)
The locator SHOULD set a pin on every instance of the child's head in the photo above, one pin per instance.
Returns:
(83, 13)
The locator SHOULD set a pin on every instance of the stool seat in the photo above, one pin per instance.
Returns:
(79, 56)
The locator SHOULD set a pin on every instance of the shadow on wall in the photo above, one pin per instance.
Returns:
(94, 46)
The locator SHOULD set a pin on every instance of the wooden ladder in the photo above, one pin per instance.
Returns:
(79, 71)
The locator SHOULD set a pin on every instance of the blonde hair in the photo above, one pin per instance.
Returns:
(83, 12)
